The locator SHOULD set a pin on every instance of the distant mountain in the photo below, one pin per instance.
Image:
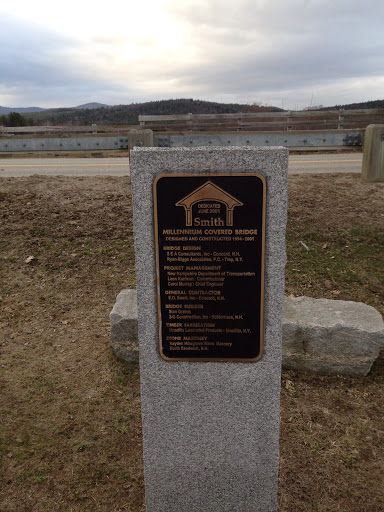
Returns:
(25, 110)
(91, 106)
(20, 110)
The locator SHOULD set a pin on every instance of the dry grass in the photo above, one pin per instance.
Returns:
(341, 220)
(70, 437)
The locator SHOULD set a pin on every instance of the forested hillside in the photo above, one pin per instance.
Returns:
(355, 106)
(129, 114)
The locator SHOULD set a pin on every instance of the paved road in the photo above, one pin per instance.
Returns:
(298, 164)
(318, 163)
(15, 167)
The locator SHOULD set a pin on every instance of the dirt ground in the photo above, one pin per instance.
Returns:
(70, 432)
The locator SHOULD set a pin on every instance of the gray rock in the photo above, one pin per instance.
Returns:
(319, 335)
(124, 338)
(331, 336)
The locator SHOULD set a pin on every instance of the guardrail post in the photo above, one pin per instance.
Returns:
(190, 121)
(289, 120)
(373, 156)
(141, 138)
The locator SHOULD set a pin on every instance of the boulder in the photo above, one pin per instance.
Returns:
(123, 317)
(329, 337)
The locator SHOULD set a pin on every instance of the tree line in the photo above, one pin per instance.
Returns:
(15, 119)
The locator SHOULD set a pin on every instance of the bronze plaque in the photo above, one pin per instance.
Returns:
(210, 266)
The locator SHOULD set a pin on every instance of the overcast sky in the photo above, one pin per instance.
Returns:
(287, 53)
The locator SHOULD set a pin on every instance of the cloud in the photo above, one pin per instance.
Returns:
(252, 47)
(294, 52)
(267, 42)
(41, 67)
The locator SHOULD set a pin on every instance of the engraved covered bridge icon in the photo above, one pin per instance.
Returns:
(209, 192)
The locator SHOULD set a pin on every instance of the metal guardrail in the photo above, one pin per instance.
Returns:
(63, 144)
(298, 140)
(263, 121)
(91, 143)
(5, 131)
